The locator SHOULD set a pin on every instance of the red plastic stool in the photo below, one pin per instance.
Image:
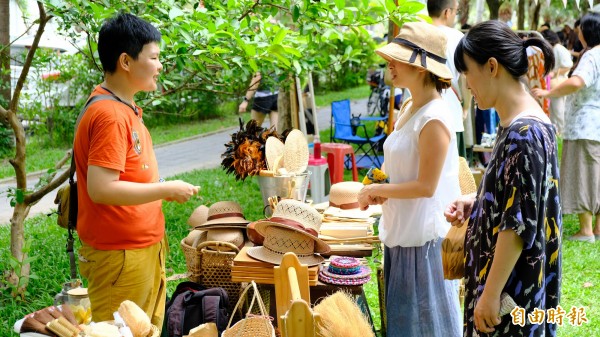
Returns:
(336, 155)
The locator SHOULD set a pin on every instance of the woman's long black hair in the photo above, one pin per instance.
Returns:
(495, 39)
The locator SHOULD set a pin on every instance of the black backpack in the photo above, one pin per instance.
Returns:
(193, 304)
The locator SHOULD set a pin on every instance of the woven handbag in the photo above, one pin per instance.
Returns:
(215, 267)
(251, 325)
(453, 245)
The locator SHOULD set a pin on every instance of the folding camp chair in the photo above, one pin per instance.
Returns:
(345, 129)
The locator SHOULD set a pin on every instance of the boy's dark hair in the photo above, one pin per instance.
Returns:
(124, 33)
(590, 29)
(495, 39)
(436, 7)
(551, 37)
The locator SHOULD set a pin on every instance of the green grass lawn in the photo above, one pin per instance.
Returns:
(581, 271)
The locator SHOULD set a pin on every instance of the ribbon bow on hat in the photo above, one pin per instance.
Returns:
(418, 50)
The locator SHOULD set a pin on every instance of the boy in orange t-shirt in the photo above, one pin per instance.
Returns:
(120, 220)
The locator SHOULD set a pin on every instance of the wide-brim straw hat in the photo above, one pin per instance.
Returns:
(231, 235)
(343, 200)
(199, 216)
(225, 214)
(281, 240)
(419, 44)
(297, 216)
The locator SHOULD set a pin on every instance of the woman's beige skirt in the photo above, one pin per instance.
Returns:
(580, 176)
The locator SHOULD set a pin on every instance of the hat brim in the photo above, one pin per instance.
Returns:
(320, 245)
(265, 255)
(346, 282)
(354, 213)
(394, 51)
(241, 225)
(363, 272)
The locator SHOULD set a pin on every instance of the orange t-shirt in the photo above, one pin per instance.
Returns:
(111, 135)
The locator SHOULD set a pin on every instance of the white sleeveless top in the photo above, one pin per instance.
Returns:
(414, 222)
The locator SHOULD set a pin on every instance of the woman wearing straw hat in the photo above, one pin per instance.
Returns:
(422, 163)
(513, 237)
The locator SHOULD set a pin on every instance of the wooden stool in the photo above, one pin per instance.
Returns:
(336, 155)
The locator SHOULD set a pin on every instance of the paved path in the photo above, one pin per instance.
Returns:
(201, 152)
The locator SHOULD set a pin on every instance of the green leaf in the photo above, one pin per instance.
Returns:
(297, 66)
(340, 4)
(295, 13)
(253, 65)
(279, 36)
(20, 195)
(175, 12)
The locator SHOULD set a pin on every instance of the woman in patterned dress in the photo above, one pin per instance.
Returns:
(513, 236)
(580, 162)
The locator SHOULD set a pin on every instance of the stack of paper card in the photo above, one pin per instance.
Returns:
(246, 269)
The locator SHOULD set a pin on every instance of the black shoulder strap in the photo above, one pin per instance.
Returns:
(73, 189)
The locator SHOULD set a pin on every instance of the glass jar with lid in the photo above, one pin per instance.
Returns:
(79, 303)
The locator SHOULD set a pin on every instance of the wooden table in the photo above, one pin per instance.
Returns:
(480, 148)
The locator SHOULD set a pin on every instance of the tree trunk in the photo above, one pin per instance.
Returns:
(535, 15)
(494, 7)
(284, 109)
(5, 54)
(464, 6)
(19, 279)
(521, 15)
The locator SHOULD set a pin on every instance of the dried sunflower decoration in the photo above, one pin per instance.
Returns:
(245, 153)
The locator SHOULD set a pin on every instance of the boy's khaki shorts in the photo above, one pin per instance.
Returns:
(114, 276)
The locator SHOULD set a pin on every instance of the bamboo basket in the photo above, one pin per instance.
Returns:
(193, 261)
(216, 262)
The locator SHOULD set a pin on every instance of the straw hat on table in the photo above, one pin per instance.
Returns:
(343, 201)
(224, 214)
(294, 227)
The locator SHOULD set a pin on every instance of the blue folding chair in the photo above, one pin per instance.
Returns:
(344, 129)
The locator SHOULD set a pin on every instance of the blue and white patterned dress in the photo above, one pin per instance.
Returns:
(519, 191)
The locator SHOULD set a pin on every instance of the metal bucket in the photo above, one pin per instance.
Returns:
(285, 187)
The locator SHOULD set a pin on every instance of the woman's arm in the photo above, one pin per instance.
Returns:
(508, 249)
(567, 87)
(433, 141)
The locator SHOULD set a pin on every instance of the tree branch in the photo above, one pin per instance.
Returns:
(39, 194)
(251, 9)
(14, 103)
(33, 198)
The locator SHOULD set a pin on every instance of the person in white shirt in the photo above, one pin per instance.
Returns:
(562, 65)
(422, 163)
(443, 15)
(580, 162)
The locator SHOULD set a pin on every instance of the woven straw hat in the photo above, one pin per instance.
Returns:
(199, 216)
(343, 201)
(280, 240)
(465, 177)
(225, 214)
(297, 216)
(419, 44)
(273, 149)
(345, 270)
(231, 235)
(295, 153)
